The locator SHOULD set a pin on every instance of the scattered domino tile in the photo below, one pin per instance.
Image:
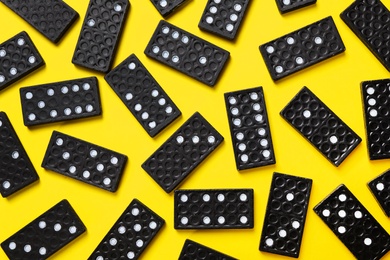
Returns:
(223, 17)
(51, 18)
(84, 161)
(45, 235)
(380, 188)
(130, 235)
(286, 6)
(100, 33)
(193, 250)
(142, 95)
(353, 224)
(214, 209)
(249, 128)
(182, 152)
(285, 217)
(60, 101)
(302, 48)
(16, 169)
(369, 20)
(376, 97)
(29, 59)
(187, 53)
(167, 7)
(320, 126)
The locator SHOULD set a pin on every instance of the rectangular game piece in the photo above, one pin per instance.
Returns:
(27, 59)
(380, 188)
(286, 6)
(187, 53)
(353, 224)
(60, 101)
(369, 20)
(45, 235)
(167, 7)
(142, 95)
(285, 217)
(192, 250)
(84, 161)
(212, 209)
(100, 34)
(302, 48)
(223, 18)
(320, 126)
(16, 169)
(51, 18)
(249, 128)
(182, 152)
(130, 235)
(376, 99)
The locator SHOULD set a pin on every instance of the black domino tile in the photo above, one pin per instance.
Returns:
(16, 169)
(45, 235)
(51, 18)
(320, 126)
(18, 58)
(353, 224)
(167, 7)
(192, 250)
(190, 145)
(60, 101)
(142, 95)
(223, 17)
(286, 6)
(380, 188)
(100, 34)
(249, 128)
(285, 217)
(187, 53)
(84, 161)
(376, 99)
(370, 21)
(302, 48)
(130, 235)
(213, 209)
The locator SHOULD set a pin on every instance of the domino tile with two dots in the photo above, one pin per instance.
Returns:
(60, 101)
(380, 188)
(16, 169)
(286, 6)
(370, 21)
(376, 105)
(167, 7)
(320, 126)
(285, 217)
(249, 128)
(302, 48)
(214, 209)
(100, 34)
(130, 235)
(51, 18)
(45, 235)
(187, 53)
(350, 221)
(142, 95)
(223, 17)
(193, 250)
(18, 58)
(178, 156)
(84, 161)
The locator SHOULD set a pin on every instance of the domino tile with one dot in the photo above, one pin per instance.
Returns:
(380, 188)
(286, 6)
(167, 7)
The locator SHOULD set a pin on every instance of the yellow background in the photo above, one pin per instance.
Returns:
(336, 82)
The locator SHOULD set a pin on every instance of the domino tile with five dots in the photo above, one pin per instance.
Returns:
(192, 250)
(286, 6)
(16, 169)
(380, 188)
(167, 7)
(142, 95)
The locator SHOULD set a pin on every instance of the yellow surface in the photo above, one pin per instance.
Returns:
(336, 82)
